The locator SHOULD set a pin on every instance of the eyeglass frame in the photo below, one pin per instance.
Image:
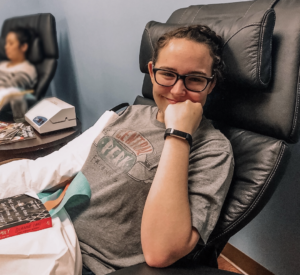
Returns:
(183, 77)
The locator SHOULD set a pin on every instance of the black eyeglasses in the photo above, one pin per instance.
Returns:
(194, 83)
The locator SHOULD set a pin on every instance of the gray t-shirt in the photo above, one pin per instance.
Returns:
(120, 169)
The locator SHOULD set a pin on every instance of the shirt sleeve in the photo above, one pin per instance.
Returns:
(210, 173)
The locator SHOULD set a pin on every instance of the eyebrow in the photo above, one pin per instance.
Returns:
(191, 72)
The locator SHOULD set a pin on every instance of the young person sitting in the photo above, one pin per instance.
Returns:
(17, 74)
(158, 175)
(154, 198)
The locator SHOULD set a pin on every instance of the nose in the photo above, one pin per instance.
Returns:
(179, 89)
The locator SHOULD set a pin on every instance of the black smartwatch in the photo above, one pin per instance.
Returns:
(179, 134)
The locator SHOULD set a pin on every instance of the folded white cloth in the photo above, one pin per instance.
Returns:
(51, 251)
(21, 176)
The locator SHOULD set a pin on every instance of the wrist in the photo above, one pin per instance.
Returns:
(177, 144)
(182, 128)
(179, 134)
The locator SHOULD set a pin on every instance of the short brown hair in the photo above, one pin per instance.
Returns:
(201, 34)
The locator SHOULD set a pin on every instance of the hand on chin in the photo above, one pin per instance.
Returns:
(183, 116)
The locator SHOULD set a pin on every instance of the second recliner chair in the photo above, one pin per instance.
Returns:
(43, 53)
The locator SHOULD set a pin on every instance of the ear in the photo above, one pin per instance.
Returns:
(212, 86)
(150, 70)
(24, 47)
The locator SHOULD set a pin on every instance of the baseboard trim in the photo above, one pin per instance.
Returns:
(232, 264)
(243, 262)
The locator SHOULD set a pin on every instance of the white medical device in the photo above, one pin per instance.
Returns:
(51, 114)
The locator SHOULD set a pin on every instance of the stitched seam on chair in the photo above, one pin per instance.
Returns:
(197, 253)
(273, 4)
(150, 39)
(250, 25)
(296, 106)
(260, 194)
(283, 146)
(261, 40)
(182, 15)
(262, 32)
(258, 63)
(271, 44)
(197, 13)
(248, 9)
(253, 4)
(261, 48)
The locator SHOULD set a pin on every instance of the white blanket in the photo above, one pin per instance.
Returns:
(53, 250)
(21, 176)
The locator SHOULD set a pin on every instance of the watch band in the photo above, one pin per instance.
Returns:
(179, 134)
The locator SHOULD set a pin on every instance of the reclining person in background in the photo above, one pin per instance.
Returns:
(17, 72)
(155, 195)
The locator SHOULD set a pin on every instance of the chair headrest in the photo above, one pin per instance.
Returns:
(247, 50)
(274, 110)
(35, 54)
(44, 44)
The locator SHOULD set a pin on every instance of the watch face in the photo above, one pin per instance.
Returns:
(177, 135)
(39, 120)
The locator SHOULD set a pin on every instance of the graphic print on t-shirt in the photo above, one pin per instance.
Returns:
(125, 151)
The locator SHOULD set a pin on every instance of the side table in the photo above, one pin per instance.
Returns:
(40, 146)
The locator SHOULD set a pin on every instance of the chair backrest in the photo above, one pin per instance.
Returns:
(44, 51)
(258, 119)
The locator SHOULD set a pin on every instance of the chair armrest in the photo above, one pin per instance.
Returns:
(192, 269)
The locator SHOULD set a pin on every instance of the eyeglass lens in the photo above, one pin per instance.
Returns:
(193, 83)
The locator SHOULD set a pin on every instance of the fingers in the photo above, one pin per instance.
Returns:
(184, 116)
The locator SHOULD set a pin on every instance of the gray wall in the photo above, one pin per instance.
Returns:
(98, 68)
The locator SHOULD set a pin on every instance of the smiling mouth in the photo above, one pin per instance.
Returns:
(172, 101)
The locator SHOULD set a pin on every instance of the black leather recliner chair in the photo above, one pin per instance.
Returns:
(257, 108)
(43, 53)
